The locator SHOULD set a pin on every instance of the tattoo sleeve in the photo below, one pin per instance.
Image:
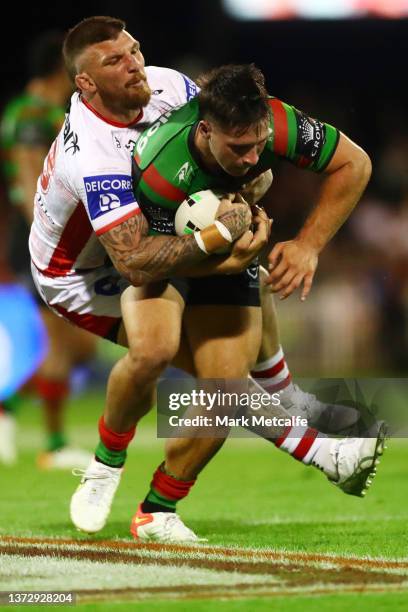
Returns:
(143, 259)
(236, 220)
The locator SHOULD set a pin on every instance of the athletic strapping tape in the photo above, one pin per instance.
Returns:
(214, 237)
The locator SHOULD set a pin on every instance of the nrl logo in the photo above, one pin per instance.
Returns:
(184, 173)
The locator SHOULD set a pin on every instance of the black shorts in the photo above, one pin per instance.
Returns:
(233, 289)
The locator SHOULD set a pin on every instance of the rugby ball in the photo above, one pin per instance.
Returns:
(196, 212)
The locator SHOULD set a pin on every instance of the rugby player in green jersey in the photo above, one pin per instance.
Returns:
(230, 135)
(227, 137)
(29, 124)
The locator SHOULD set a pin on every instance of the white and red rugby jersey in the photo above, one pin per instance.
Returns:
(86, 185)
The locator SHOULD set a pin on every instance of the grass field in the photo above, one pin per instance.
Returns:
(279, 535)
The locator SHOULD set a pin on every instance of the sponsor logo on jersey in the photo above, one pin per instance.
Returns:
(144, 139)
(108, 201)
(157, 92)
(311, 136)
(184, 174)
(108, 192)
(191, 88)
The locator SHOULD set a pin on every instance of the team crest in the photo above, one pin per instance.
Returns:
(184, 173)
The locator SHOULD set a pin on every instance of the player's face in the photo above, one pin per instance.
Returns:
(116, 68)
(236, 151)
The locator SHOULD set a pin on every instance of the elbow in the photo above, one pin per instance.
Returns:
(137, 278)
(363, 167)
(134, 277)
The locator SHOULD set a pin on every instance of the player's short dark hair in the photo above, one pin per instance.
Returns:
(45, 54)
(234, 96)
(88, 32)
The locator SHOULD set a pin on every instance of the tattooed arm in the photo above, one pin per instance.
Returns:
(143, 259)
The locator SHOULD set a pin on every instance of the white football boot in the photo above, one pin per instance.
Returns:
(164, 527)
(92, 501)
(350, 463)
(327, 418)
(8, 450)
(65, 458)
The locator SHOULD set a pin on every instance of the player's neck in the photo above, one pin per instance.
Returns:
(113, 115)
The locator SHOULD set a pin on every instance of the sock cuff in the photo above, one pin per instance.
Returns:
(50, 389)
(113, 440)
(269, 363)
(170, 487)
(279, 386)
(298, 442)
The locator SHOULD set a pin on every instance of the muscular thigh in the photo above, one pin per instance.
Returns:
(224, 339)
(151, 317)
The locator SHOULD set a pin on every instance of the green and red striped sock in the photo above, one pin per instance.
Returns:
(165, 491)
(112, 447)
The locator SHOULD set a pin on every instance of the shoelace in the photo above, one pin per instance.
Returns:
(92, 475)
(97, 490)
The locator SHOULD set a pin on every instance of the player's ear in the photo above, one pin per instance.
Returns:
(85, 83)
(205, 128)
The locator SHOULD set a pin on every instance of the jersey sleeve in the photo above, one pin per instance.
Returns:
(107, 194)
(304, 141)
(109, 200)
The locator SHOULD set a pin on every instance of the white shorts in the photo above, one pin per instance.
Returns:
(90, 300)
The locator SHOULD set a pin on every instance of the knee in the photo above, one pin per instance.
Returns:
(224, 368)
(148, 359)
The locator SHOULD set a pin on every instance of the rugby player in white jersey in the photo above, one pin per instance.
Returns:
(84, 200)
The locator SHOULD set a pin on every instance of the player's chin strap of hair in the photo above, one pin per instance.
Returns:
(214, 237)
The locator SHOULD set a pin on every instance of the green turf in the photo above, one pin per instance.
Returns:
(250, 495)
(367, 602)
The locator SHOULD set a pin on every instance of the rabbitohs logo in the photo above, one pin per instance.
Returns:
(184, 173)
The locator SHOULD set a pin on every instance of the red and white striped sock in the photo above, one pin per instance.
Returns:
(302, 443)
(273, 373)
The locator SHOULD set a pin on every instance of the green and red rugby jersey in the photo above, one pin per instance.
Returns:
(30, 121)
(167, 166)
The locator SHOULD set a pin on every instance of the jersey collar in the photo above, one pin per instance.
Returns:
(109, 121)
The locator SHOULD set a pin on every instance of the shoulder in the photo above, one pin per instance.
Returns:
(170, 82)
(169, 131)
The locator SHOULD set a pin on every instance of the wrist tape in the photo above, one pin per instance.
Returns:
(214, 237)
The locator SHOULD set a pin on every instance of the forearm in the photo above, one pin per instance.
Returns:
(144, 259)
(159, 257)
(339, 194)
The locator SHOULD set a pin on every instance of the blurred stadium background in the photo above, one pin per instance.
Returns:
(346, 67)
